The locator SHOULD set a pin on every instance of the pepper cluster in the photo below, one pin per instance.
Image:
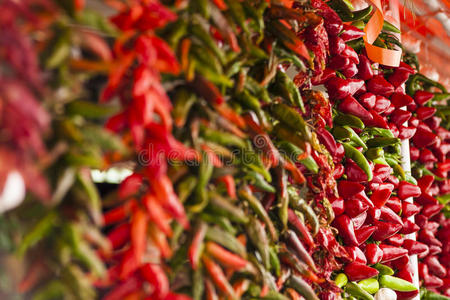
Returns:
(218, 204)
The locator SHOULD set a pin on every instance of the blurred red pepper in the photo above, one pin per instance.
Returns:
(414, 247)
(156, 276)
(225, 257)
(426, 156)
(422, 97)
(218, 276)
(354, 172)
(196, 247)
(425, 112)
(401, 74)
(424, 138)
(357, 271)
(426, 199)
(431, 209)
(327, 139)
(338, 171)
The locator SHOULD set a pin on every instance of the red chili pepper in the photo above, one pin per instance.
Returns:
(196, 247)
(431, 209)
(409, 227)
(230, 185)
(218, 276)
(435, 250)
(340, 152)
(381, 104)
(345, 227)
(337, 45)
(338, 171)
(395, 204)
(225, 257)
(422, 97)
(428, 238)
(381, 195)
(350, 33)
(327, 139)
(350, 53)
(424, 138)
(367, 100)
(382, 172)
(156, 276)
(401, 100)
(356, 254)
(354, 172)
(350, 71)
(394, 181)
(354, 207)
(357, 271)
(377, 121)
(339, 88)
(400, 116)
(119, 235)
(426, 199)
(406, 190)
(405, 133)
(414, 153)
(401, 262)
(157, 214)
(443, 133)
(322, 77)
(359, 220)
(363, 233)
(396, 240)
(351, 106)
(130, 185)
(373, 254)
(380, 86)
(348, 189)
(338, 206)
(414, 247)
(401, 74)
(426, 156)
(139, 223)
(365, 71)
(119, 213)
(339, 62)
(425, 112)
(126, 287)
(389, 215)
(300, 227)
(392, 252)
(210, 290)
(410, 209)
(435, 267)
(385, 230)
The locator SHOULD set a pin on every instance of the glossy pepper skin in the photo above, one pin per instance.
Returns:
(406, 190)
(422, 97)
(348, 189)
(425, 112)
(414, 247)
(374, 254)
(400, 99)
(392, 252)
(345, 227)
(385, 230)
(400, 74)
(364, 233)
(339, 88)
(380, 86)
(357, 271)
(410, 209)
(365, 71)
(351, 106)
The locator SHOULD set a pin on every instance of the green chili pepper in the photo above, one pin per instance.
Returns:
(380, 161)
(390, 27)
(288, 90)
(357, 45)
(204, 175)
(382, 142)
(273, 295)
(429, 295)
(440, 97)
(174, 31)
(222, 138)
(198, 285)
(383, 269)
(398, 170)
(292, 151)
(274, 261)
(374, 153)
(199, 32)
(349, 120)
(340, 133)
(356, 291)
(223, 221)
(183, 102)
(224, 207)
(258, 181)
(355, 138)
(379, 132)
(370, 285)
(341, 280)
(225, 239)
(289, 57)
(238, 14)
(38, 232)
(257, 207)
(292, 118)
(410, 179)
(359, 159)
(55, 289)
(283, 198)
(185, 187)
(255, 88)
(413, 84)
(391, 161)
(253, 162)
(298, 284)
(358, 15)
(310, 215)
(397, 284)
(359, 24)
(284, 133)
(258, 237)
(201, 7)
(210, 74)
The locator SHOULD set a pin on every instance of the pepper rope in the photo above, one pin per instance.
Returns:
(373, 28)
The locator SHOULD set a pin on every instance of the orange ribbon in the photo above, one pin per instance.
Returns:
(373, 28)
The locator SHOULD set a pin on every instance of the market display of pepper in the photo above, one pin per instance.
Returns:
(265, 150)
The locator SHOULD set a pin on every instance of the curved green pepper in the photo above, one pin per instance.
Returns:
(397, 284)
(359, 159)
